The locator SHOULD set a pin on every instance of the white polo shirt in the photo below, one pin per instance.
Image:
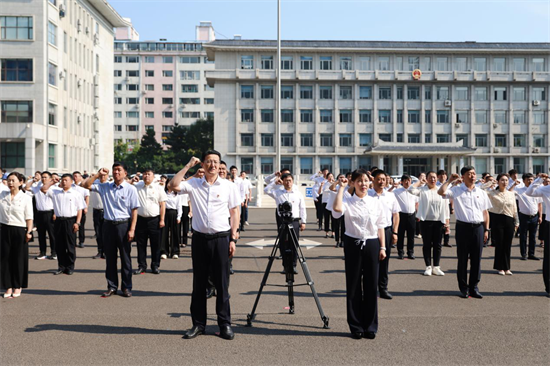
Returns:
(407, 202)
(174, 202)
(469, 205)
(527, 205)
(66, 203)
(15, 212)
(149, 196)
(43, 201)
(389, 204)
(363, 216)
(536, 189)
(293, 196)
(211, 203)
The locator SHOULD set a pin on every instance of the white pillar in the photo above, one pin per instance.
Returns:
(400, 165)
(461, 162)
(381, 162)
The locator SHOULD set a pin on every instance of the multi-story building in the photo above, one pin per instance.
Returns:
(349, 104)
(56, 84)
(160, 84)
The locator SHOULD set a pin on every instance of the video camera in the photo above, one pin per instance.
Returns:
(285, 212)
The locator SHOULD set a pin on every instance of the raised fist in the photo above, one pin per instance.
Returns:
(343, 181)
(194, 161)
(453, 177)
(103, 172)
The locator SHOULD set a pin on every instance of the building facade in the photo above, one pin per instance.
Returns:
(402, 106)
(159, 85)
(56, 85)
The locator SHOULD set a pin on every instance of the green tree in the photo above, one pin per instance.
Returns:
(128, 156)
(150, 154)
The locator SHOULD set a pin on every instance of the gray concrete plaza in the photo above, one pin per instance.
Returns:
(62, 320)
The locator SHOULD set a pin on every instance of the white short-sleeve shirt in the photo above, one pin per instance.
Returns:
(15, 212)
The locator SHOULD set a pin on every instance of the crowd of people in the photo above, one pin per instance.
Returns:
(365, 211)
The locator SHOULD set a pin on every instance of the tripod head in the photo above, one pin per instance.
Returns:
(285, 212)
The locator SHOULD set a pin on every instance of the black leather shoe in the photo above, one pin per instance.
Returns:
(523, 258)
(102, 255)
(58, 272)
(357, 335)
(156, 271)
(384, 294)
(400, 256)
(126, 293)
(226, 332)
(533, 258)
(231, 271)
(109, 292)
(193, 332)
(464, 295)
(69, 272)
(370, 335)
(139, 271)
(81, 245)
(476, 294)
(210, 292)
(411, 256)
(447, 245)
(97, 256)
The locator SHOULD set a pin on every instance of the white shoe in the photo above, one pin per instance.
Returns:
(428, 271)
(418, 236)
(163, 256)
(246, 223)
(437, 271)
(501, 273)
(175, 256)
(508, 272)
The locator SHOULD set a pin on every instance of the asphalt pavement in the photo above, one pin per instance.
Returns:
(62, 320)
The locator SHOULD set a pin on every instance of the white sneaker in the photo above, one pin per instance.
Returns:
(501, 273)
(418, 236)
(246, 223)
(508, 272)
(175, 256)
(163, 256)
(437, 271)
(428, 271)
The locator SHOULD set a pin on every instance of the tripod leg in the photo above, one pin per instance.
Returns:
(309, 280)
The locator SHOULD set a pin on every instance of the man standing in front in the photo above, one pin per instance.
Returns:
(472, 227)
(214, 239)
(77, 177)
(120, 205)
(530, 216)
(408, 204)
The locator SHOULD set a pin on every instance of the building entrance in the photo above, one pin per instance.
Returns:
(415, 166)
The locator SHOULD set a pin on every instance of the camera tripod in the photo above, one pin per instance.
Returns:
(292, 248)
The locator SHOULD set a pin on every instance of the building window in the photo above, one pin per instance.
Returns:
(500, 117)
(413, 138)
(12, 155)
(286, 63)
(500, 93)
(116, 86)
(190, 75)
(443, 116)
(384, 116)
(364, 63)
(267, 115)
(345, 165)
(428, 116)
(345, 139)
(480, 64)
(519, 64)
(413, 116)
(208, 101)
(133, 87)
(132, 115)
(267, 139)
(247, 139)
(267, 63)
(365, 115)
(189, 88)
(152, 127)
(132, 59)
(462, 117)
(17, 70)
(266, 165)
(441, 64)
(519, 93)
(167, 100)
(52, 74)
(519, 164)
(399, 63)
(413, 92)
(306, 115)
(519, 140)
(383, 63)
(538, 64)
(167, 59)
(539, 118)
(325, 115)
(413, 63)
(118, 114)
(247, 165)
(346, 63)
(346, 116)
(149, 87)
(500, 140)
(52, 34)
(287, 92)
(326, 139)
(167, 73)
(519, 117)
(306, 92)
(132, 100)
(118, 128)
(500, 164)
(17, 111)
(266, 91)
(461, 64)
(325, 62)
(345, 92)
(118, 59)
(306, 165)
(384, 137)
(16, 28)
(194, 101)
(149, 59)
(118, 73)
(149, 114)
(133, 73)
(384, 93)
(442, 92)
(194, 115)
(190, 60)
(365, 139)
(167, 87)
(118, 100)
(481, 117)
(481, 140)
(209, 115)
(539, 94)
(287, 163)
(287, 115)
(131, 128)
(287, 139)
(399, 116)
(428, 92)
(51, 156)
(399, 137)
(442, 138)
(464, 138)
(306, 63)
(480, 93)
(247, 62)
(399, 92)
(306, 139)
(539, 140)
(247, 115)
(499, 64)
(365, 92)
(461, 93)
(427, 138)
(326, 163)
(325, 92)
(52, 114)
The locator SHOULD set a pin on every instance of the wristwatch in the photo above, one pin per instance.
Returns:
(394, 233)
(78, 223)
(233, 240)
(487, 230)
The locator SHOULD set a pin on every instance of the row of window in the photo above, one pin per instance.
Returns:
(410, 63)
(165, 114)
(306, 164)
(151, 87)
(184, 74)
(163, 59)
(385, 116)
(154, 46)
(385, 92)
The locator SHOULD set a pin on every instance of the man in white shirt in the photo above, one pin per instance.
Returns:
(408, 204)
(472, 227)
(86, 195)
(44, 216)
(67, 205)
(318, 179)
(299, 214)
(530, 216)
(152, 201)
(97, 205)
(391, 215)
(214, 239)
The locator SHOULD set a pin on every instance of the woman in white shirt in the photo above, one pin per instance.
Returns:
(324, 190)
(16, 215)
(171, 232)
(364, 248)
(433, 213)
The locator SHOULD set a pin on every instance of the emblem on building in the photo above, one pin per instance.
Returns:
(416, 74)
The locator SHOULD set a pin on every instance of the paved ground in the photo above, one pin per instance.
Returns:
(61, 320)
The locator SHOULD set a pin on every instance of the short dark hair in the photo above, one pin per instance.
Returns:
(67, 175)
(440, 172)
(233, 167)
(286, 175)
(38, 171)
(325, 169)
(55, 174)
(405, 177)
(148, 170)
(377, 172)
(357, 173)
(122, 165)
(223, 163)
(502, 175)
(76, 172)
(466, 169)
(373, 169)
(164, 176)
(485, 174)
(47, 173)
(210, 152)
(348, 174)
(286, 170)
(527, 176)
(512, 171)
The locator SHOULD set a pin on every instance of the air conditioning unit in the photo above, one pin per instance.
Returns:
(79, 83)
(496, 150)
(457, 125)
(126, 78)
(448, 103)
(96, 116)
(62, 75)
(62, 10)
(87, 30)
(171, 106)
(495, 125)
(79, 119)
(536, 103)
(536, 150)
(96, 38)
(79, 26)
(143, 92)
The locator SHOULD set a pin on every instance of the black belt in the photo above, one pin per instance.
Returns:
(222, 234)
(98, 209)
(148, 218)
(469, 224)
(45, 211)
(530, 216)
(407, 214)
(65, 218)
(171, 209)
(117, 222)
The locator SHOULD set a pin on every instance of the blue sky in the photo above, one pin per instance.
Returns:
(391, 20)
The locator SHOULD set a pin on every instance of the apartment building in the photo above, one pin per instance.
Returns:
(402, 106)
(56, 84)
